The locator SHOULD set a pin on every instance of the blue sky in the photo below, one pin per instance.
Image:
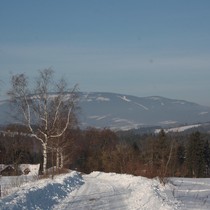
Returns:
(138, 47)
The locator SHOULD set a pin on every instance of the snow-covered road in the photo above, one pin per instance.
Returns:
(98, 190)
(114, 191)
(97, 194)
(105, 191)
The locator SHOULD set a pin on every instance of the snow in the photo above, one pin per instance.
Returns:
(42, 194)
(203, 113)
(100, 98)
(144, 107)
(33, 168)
(124, 124)
(96, 117)
(124, 98)
(168, 122)
(192, 193)
(178, 129)
(9, 183)
(89, 100)
(2, 102)
(107, 191)
(155, 98)
(179, 102)
(117, 120)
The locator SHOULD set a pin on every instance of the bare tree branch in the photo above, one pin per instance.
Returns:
(51, 114)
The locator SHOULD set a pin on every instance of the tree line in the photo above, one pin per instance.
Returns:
(150, 155)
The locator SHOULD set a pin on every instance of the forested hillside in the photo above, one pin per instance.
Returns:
(150, 155)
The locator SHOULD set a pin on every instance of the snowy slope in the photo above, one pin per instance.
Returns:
(107, 191)
(194, 194)
(178, 129)
(118, 111)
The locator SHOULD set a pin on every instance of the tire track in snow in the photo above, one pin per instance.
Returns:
(96, 194)
(192, 192)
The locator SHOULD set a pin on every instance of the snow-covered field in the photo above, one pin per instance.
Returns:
(193, 193)
(178, 129)
(109, 191)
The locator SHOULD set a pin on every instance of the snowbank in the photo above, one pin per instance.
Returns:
(144, 193)
(42, 194)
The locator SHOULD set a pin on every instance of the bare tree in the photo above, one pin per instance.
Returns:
(60, 145)
(41, 110)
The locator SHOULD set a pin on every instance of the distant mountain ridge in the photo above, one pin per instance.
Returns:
(120, 111)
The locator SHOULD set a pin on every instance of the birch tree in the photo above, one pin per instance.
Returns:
(41, 108)
(60, 145)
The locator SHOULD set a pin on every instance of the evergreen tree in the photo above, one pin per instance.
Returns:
(207, 157)
(195, 156)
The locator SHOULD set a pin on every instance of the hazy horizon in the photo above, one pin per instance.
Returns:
(140, 48)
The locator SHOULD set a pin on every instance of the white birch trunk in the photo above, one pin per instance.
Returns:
(57, 158)
(62, 159)
(44, 146)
